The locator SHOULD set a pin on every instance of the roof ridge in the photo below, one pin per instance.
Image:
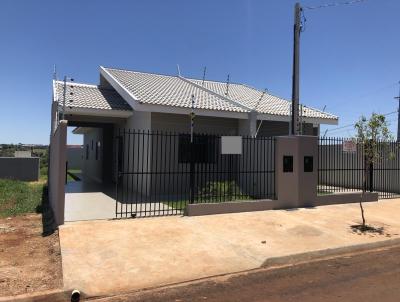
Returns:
(77, 84)
(143, 72)
(225, 98)
(168, 75)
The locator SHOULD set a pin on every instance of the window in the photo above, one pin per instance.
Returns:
(87, 151)
(205, 149)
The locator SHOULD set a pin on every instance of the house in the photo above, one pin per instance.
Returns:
(122, 118)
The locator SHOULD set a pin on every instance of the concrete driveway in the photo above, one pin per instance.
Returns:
(93, 201)
(103, 257)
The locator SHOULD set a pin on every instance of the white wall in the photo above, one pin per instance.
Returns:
(92, 168)
(180, 123)
(132, 160)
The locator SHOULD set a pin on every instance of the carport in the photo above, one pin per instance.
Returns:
(85, 200)
(94, 111)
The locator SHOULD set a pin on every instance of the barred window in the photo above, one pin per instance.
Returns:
(204, 149)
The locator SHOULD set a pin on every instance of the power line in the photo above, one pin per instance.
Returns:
(352, 125)
(334, 4)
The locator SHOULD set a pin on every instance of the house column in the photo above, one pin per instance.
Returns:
(248, 127)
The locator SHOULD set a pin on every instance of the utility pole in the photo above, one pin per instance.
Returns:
(398, 116)
(296, 69)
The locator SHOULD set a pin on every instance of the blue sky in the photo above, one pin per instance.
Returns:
(349, 54)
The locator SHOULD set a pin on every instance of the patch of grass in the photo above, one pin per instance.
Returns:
(214, 192)
(324, 192)
(221, 191)
(177, 204)
(72, 174)
(20, 197)
(182, 204)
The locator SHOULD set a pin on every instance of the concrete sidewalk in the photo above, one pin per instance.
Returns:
(104, 257)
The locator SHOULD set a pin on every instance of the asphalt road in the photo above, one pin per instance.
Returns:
(372, 276)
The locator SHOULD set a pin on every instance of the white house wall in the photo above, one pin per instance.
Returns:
(180, 123)
(92, 167)
(135, 153)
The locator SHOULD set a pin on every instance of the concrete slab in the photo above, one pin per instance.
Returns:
(88, 206)
(93, 201)
(103, 257)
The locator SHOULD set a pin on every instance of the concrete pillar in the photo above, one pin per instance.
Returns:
(253, 123)
(296, 175)
(248, 127)
(54, 117)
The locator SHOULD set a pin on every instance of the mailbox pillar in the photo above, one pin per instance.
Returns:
(296, 174)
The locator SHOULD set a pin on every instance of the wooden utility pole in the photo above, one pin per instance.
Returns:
(296, 68)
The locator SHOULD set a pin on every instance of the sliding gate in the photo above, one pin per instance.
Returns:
(160, 173)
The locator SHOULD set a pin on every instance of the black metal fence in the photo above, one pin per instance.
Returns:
(341, 169)
(159, 173)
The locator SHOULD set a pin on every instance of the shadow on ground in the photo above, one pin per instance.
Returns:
(44, 208)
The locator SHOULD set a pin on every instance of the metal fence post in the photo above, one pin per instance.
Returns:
(192, 172)
(66, 172)
(371, 177)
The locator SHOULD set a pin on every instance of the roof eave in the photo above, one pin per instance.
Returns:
(99, 112)
(286, 118)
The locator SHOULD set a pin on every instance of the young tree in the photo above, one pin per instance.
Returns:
(372, 135)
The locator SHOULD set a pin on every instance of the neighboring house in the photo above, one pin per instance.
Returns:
(153, 102)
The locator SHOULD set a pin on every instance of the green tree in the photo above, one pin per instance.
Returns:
(372, 135)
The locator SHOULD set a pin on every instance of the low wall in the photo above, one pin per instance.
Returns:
(20, 168)
(200, 209)
(268, 204)
(341, 198)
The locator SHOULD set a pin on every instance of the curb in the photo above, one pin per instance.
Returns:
(333, 252)
(58, 295)
(61, 295)
(271, 264)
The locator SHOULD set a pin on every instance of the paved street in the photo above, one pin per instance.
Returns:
(368, 277)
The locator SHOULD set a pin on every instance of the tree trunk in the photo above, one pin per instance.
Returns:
(366, 170)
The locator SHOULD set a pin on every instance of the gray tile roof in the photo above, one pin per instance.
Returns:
(268, 104)
(167, 90)
(90, 97)
(170, 91)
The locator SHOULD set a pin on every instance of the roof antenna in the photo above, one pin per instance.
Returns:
(323, 109)
(227, 86)
(178, 69)
(260, 99)
(54, 72)
(204, 75)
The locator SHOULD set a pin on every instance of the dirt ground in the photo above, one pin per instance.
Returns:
(29, 262)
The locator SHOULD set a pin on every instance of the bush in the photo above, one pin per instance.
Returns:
(222, 190)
